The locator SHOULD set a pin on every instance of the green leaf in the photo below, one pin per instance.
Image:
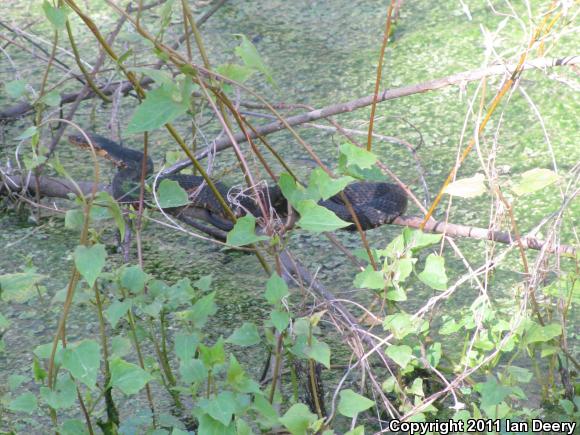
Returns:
(250, 56)
(269, 417)
(202, 309)
(63, 396)
(204, 283)
(534, 180)
(245, 335)
(210, 426)
(418, 240)
(83, 362)
(108, 201)
(51, 98)
(4, 322)
(221, 407)
(357, 156)
(161, 105)
(120, 346)
(359, 430)
(128, 377)
(90, 261)
(186, 346)
(73, 427)
(15, 381)
(297, 419)
(491, 392)
(193, 371)
(280, 319)
(134, 279)
(16, 89)
(325, 186)
(417, 387)
(74, 219)
(116, 310)
(400, 354)
(319, 351)
(467, 187)
(171, 194)
(29, 132)
(56, 16)
(244, 232)
(370, 278)
(238, 379)
(540, 334)
(352, 403)
(213, 355)
(401, 324)
(160, 77)
(19, 287)
(434, 273)
(434, 354)
(318, 219)
(291, 191)
(24, 403)
(276, 289)
(237, 73)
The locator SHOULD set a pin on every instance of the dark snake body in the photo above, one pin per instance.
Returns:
(375, 204)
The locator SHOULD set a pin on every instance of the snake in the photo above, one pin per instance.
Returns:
(374, 203)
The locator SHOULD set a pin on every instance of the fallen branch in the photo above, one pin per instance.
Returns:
(61, 188)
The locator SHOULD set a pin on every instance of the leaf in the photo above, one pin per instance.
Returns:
(210, 426)
(171, 194)
(161, 105)
(29, 132)
(128, 377)
(73, 427)
(250, 56)
(352, 403)
(51, 98)
(24, 403)
(213, 355)
(539, 334)
(4, 322)
(74, 219)
(244, 232)
(533, 180)
(400, 354)
(134, 279)
(297, 419)
(370, 278)
(221, 407)
(160, 77)
(16, 89)
(280, 319)
(116, 310)
(467, 187)
(318, 219)
(120, 346)
(419, 240)
(491, 392)
(359, 430)
(193, 371)
(325, 186)
(56, 16)
(319, 351)
(83, 362)
(204, 283)
(245, 335)
(276, 289)
(90, 261)
(357, 156)
(15, 381)
(434, 273)
(186, 346)
(401, 324)
(417, 387)
(237, 73)
(202, 309)
(62, 396)
(19, 287)
(291, 191)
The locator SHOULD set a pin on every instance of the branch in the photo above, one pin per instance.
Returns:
(61, 188)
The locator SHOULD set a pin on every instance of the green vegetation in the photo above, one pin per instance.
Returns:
(172, 334)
